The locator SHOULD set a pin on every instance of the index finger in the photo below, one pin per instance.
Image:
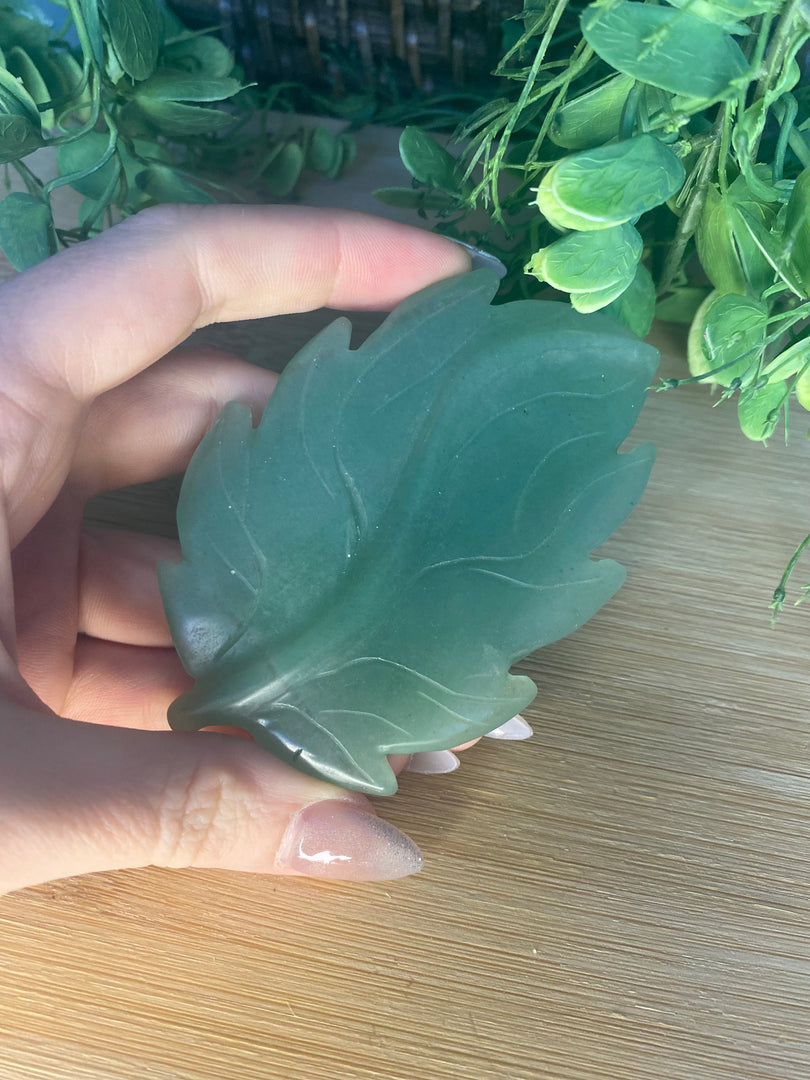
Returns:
(92, 317)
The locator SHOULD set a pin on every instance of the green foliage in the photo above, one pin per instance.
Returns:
(686, 120)
(141, 111)
(305, 611)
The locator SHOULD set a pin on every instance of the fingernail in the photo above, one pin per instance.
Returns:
(482, 260)
(513, 730)
(337, 840)
(433, 761)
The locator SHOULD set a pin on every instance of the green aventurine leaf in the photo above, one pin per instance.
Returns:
(671, 49)
(27, 235)
(408, 520)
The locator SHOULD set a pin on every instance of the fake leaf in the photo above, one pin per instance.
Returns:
(733, 340)
(27, 234)
(408, 520)
(671, 49)
(610, 185)
(135, 34)
(426, 161)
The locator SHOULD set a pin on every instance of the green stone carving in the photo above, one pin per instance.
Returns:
(408, 520)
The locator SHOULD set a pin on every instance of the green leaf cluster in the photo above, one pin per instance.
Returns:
(141, 111)
(647, 158)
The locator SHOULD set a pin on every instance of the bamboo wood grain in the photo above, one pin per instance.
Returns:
(624, 897)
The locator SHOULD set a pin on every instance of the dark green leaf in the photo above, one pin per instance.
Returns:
(180, 86)
(324, 150)
(24, 24)
(671, 49)
(283, 172)
(165, 185)
(92, 21)
(175, 118)
(83, 156)
(135, 34)
(18, 138)
(426, 161)
(635, 308)
(408, 520)
(681, 306)
(200, 55)
(27, 235)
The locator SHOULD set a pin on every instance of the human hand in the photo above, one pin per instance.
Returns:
(94, 399)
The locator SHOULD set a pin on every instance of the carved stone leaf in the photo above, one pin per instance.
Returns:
(410, 518)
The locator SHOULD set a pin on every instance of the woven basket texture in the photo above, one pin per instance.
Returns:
(423, 45)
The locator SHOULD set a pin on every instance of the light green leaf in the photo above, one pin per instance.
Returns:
(22, 67)
(408, 520)
(181, 86)
(593, 118)
(730, 258)
(611, 184)
(135, 28)
(635, 307)
(671, 49)
(15, 99)
(27, 234)
(770, 244)
(590, 261)
(796, 232)
(759, 410)
(729, 15)
(734, 332)
(18, 138)
(426, 161)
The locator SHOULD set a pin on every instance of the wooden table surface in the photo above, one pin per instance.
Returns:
(623, 897)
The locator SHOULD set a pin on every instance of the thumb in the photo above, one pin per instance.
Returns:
(77, 798)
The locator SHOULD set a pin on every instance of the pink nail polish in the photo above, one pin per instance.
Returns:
(337, 840)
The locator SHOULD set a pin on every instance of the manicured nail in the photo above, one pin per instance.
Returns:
(513, 730)
(482, 260)
(433, 761)
(337, 840)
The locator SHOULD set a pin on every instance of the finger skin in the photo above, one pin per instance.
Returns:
(77, 798)
(149, 427)
(92, 317)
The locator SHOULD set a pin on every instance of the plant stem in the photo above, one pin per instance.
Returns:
(690, 217)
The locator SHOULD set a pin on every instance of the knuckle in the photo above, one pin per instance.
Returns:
(203, 809)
